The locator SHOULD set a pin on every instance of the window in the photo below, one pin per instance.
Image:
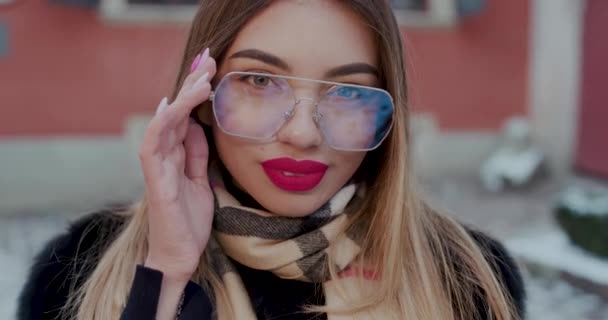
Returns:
(148, 10)
(424, 13)
(163, 2)
(409, 4)
(408, 12)
(4, 41)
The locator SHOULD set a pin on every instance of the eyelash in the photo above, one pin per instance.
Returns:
(260, 71)
(273, 73)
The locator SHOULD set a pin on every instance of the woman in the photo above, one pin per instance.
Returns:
(303, 172)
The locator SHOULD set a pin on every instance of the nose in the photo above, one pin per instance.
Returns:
(301, 129)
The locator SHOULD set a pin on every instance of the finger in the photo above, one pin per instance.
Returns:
(207, 64)
(178, 114)
(162, 176)
(151, 166)
(190, 96)
(196, 64)
(167, 128)
(197, 154)
(152, 136)
(195, 91)
(171, 120)
(152, 170)
(182, 129)
(176, 158)
(162, 106)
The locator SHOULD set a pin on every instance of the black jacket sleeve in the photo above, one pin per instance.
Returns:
(58, 268)
(145, 292)
(505, 267)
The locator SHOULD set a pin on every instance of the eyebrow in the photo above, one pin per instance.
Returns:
(348, 69)
(352, 68)
(262, 56)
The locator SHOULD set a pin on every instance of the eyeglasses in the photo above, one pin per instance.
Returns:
(256, 106)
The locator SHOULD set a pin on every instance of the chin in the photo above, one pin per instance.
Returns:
(293, 206)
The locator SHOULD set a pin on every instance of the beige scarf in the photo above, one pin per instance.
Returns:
(291, 248)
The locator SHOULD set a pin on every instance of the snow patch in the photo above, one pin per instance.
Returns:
(554, 249)
(582, 202)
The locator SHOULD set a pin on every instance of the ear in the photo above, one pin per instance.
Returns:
(204, 113)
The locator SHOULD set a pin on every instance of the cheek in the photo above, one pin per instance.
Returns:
(217, 135)
(226, 148)
(236, 154)
(347, 163)
(356, 132)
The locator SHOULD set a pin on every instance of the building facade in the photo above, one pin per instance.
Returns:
(80, 79)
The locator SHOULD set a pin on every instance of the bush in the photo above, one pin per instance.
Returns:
(584, 217)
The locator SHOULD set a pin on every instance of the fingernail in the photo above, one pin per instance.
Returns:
(162, 106)
(202, 80)
(205, 56)
(195, 63)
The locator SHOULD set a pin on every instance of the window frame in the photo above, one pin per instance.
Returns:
(441, 13)
(122, 11)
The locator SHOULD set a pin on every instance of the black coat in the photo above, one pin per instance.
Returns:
(51, 277)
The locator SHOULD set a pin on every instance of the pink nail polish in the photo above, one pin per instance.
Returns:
(195, 63)
(205, 56)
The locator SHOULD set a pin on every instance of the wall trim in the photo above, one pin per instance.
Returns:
(440, 13)
(71, 174)
(436, 153)
(556, 38)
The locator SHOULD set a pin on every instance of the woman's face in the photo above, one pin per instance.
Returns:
(308, 39)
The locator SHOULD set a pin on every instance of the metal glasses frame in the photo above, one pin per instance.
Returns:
(291, 112)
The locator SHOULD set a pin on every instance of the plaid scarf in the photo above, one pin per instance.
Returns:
(291, 248)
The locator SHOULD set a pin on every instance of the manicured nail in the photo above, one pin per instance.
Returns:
(201, 81)
(205, 56)
(195, 63)
(162, 106)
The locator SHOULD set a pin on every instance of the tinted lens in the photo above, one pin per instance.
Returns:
(355, 118)
(252, 105)
(256, 106)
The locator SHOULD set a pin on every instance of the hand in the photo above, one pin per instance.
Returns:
(174, 157)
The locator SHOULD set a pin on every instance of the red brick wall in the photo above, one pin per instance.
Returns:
(473, 76)
(70, 73)
(592, 155)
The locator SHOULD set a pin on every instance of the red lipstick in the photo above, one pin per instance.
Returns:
(292, 175)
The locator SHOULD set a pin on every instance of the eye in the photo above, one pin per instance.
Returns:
(346, 92)
(258, 81)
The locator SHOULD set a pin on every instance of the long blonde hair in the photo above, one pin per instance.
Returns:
(429, 264)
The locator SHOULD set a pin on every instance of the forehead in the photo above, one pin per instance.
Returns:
(311, 36)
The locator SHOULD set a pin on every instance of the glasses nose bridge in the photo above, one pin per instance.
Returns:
(309, 91)
(315, 103)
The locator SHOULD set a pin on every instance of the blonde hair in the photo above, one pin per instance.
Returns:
(430, 266)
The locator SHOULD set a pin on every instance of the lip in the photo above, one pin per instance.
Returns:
(303, 175)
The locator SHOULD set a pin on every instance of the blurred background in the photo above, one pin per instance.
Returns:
(509, 124)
